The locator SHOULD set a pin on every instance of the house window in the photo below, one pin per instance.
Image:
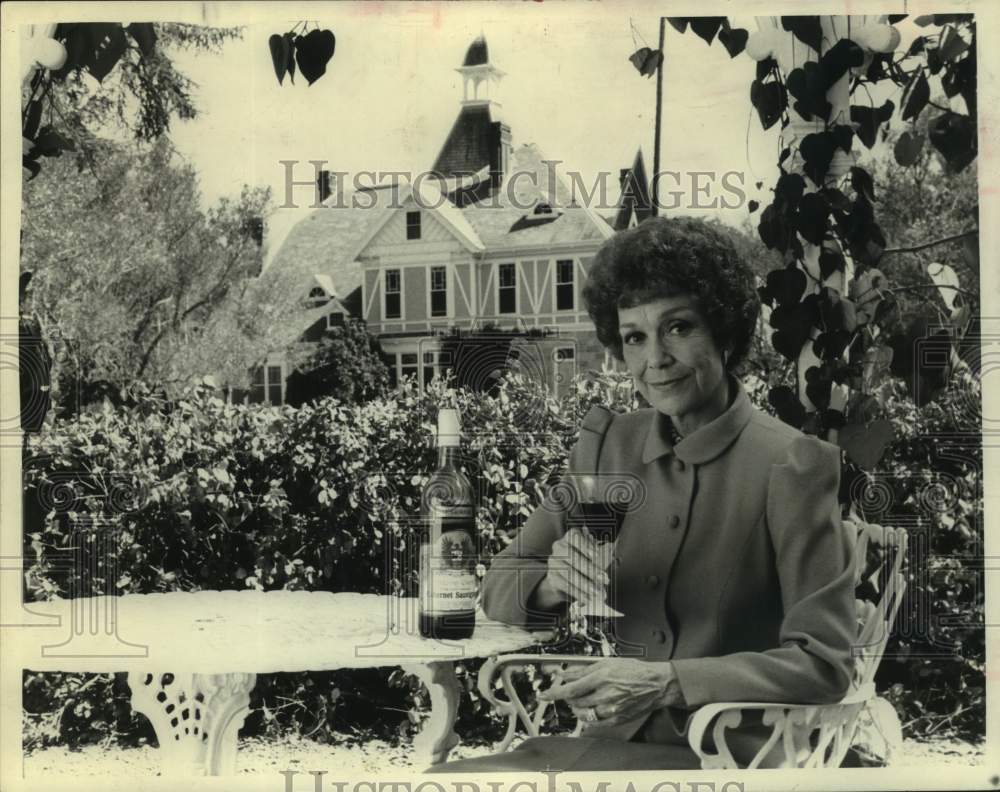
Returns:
(266, 385)
(316, 298)
(564, 285)
(507, 289)
(565, 366)
(413, 225)
(439, 291)
(393, 298)
(408, 365)
(334, 319)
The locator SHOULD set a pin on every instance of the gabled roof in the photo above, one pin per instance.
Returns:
(428, 196)
(323, 242)
(505, 220)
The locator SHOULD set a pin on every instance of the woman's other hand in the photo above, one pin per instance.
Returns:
(616, 689)
(574, 571)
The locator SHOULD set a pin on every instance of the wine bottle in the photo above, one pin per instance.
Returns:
(447, 574)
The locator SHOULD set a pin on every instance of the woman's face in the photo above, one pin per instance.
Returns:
(671, 355)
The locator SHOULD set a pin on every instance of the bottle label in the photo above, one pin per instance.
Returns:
(448, 562)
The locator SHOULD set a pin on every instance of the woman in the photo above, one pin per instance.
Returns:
(734, 574)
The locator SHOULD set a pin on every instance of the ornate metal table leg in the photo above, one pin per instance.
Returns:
(196, 718)
(438, 737)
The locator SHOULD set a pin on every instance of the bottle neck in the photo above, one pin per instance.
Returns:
(448, 456)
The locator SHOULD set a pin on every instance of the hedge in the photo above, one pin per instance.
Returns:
(201, 494)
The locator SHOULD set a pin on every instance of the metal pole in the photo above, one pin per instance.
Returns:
(656, 134)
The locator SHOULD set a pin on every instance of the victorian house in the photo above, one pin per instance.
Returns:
(495, 243)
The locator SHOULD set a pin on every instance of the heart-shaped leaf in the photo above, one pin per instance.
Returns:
(752, 206)
(817, 150)
(765, 67)
(946, 280)
(831, 259)
(908, 147)
(789, 190)
(646, 60)
(832, 344)
(819, 382)
(787, 405)
(773, 228)
(786, 285)
(770, 100)
(733, 39)
(916, 96)
(839, 59)
(278, 45)
(836, 312)
(811, 219)
(954, 136)
(808, 85)
(865, 443)
(680, 24)
(869, 119)
(313, 52)
(862, 184)
(290, 63)
(144, 35)
(806, 29)
(865, 292)
(706, 27)
(108, 45)
(844, 136)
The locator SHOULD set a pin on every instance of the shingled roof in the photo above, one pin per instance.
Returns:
(470, 144)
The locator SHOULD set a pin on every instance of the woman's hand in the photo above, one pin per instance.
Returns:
(616, 689)
(574, 571)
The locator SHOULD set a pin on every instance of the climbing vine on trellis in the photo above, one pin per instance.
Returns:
(859, 337)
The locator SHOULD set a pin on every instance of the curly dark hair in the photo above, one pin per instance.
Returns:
(666, 257)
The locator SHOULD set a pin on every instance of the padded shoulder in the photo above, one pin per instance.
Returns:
(597, 419)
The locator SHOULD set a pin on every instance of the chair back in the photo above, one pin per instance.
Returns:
(879, 554)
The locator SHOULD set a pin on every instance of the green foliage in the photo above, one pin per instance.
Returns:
(817, 222)
(106, 75)
(204, 494)
(346, 363)
(133, 280)
(930, 481)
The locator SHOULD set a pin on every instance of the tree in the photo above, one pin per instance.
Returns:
(91, 77)
(346, 363)
(135, 279)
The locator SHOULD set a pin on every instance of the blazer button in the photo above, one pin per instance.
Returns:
(659, 636)
(652, 581)
(674, 521)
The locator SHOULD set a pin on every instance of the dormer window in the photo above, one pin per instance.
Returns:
(317, 297)
(413, 225)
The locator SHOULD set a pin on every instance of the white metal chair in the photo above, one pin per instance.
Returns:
(802, 735)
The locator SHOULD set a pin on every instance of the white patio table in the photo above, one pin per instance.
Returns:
(192, 657)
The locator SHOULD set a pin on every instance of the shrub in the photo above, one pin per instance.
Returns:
(321, 497)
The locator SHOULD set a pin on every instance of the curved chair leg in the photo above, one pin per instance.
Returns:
(438, 737)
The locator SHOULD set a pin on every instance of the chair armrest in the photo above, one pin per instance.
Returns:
(505, 667)
(793, 724)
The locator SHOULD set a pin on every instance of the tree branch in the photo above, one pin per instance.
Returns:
(932, 243)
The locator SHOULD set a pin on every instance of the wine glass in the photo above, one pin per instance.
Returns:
(596, 514)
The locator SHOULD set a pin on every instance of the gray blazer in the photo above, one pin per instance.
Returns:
(735, 566)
